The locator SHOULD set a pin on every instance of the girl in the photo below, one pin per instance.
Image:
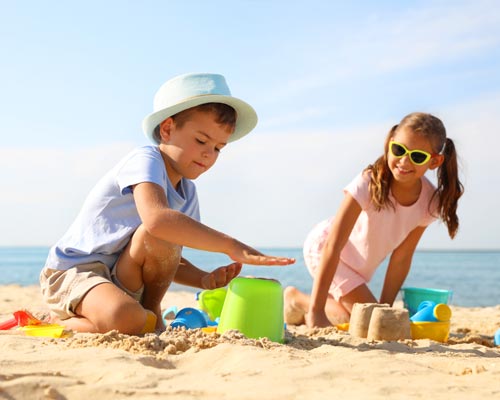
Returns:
(385, 210)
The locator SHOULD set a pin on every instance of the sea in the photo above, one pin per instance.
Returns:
(473, 277)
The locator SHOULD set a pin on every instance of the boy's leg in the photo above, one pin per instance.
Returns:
(106, 307)
(147, 263)
(150, 263)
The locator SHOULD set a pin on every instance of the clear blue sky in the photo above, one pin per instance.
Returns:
(327, 78)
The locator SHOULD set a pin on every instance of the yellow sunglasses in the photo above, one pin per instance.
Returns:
(417, 157)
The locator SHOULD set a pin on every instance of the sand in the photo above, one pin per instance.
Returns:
(312, 364)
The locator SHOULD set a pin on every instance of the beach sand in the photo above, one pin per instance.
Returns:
(312, 364)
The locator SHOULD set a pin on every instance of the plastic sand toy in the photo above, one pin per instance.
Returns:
(32, 326)
(254, 306)
(21, 318)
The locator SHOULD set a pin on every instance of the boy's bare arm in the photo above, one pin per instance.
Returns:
(175, 227)
(190, 275)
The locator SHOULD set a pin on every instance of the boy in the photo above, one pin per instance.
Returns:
(115, 263)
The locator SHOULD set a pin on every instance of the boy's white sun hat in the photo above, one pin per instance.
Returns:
(190, 90)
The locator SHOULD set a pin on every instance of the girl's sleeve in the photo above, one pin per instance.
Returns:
(358, 189)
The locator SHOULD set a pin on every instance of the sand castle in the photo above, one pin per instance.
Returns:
(379, 322)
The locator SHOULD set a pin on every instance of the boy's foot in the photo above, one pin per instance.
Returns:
(159, 323)
(293, 314)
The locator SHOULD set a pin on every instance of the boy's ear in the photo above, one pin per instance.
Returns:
(436, 161)
(165, 128)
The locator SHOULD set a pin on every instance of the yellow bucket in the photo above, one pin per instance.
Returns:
(254, 306)
(438, 331)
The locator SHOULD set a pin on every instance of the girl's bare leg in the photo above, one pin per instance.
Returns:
(361, 294)
(297, 305)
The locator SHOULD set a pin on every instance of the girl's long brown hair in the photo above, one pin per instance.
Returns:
(449, 188)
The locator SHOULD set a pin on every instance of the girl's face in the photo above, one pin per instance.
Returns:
(190, 150)
(402, 167)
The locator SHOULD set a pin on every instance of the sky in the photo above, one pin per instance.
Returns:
(328, 79)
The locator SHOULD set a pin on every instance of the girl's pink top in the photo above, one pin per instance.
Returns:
(377, 233)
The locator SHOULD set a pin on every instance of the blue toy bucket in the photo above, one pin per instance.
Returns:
(412, 297)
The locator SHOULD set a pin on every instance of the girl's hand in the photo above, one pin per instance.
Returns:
(247, 255)
(221, 276)
(317, 319)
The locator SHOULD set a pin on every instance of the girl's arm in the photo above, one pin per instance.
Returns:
(399, 266)
(343, 224)
(190, 275)
(173, 226)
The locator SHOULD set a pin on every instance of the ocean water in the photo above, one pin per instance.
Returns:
(472, 276)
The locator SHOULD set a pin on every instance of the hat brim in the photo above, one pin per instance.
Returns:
(246, 117)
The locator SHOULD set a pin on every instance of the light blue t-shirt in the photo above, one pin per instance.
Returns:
(109, 216)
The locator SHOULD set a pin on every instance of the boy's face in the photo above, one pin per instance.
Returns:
(191, 149)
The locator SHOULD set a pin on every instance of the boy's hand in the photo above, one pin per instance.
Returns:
(247, 255)
(221, 276)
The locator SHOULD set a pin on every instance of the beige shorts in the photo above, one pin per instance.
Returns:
(62, 291)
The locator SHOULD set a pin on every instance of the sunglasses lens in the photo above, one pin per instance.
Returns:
(418, 157)
(397, 150)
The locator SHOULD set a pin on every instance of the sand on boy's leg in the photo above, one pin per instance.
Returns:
(133, 295)
(148, 264)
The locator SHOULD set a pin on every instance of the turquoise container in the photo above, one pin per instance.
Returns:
(413, 296)
(254, 306)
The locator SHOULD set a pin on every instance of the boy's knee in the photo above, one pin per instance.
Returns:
(128, 318)
(290, 293)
